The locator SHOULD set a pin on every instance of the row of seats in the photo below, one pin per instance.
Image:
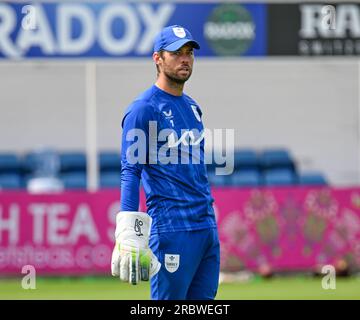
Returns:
(274, 167)
(110, 161)
(72, 180)
(273, 177)
(57, 162)
(248, 159)
(59, 170)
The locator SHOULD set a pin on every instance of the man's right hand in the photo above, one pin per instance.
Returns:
(132, 259)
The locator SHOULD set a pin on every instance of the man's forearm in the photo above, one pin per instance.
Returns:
(130, 183)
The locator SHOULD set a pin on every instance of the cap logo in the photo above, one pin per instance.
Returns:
(179, 32)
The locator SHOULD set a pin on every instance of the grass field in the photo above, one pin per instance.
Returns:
(110, 288)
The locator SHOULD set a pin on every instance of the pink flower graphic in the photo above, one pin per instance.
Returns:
(260, 205)
(322, 204)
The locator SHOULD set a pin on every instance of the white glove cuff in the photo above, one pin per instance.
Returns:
(133, 227)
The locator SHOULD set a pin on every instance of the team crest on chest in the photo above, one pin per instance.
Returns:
(196, 113)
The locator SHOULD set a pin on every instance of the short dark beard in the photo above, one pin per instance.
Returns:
(174, 79)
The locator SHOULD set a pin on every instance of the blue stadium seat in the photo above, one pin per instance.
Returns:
(42, 162)
(209, 156)
(279, 177)
(110, 179)
(73, 162)
(109, 161)
(276, 159)
(214, 158)
(74, 180)
(29, 163)
(9, 163)
(11, 181)
(246, 178)
(218, 180)
(312, 178)
(245, 159)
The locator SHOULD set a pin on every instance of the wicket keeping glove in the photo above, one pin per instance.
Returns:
(132, 259)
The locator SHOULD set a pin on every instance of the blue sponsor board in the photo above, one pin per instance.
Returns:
(103, 30)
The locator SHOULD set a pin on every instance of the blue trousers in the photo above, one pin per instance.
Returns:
(190, 265)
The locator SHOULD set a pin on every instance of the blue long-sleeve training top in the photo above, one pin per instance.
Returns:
(166, 151)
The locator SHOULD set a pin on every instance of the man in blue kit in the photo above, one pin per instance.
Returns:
(175, 244)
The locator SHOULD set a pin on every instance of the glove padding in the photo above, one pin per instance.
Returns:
(132, 259)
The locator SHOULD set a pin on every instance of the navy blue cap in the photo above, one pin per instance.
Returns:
(172, 38)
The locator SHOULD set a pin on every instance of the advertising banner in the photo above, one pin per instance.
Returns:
(70, 233)
(314, 29)
(289, 229)
(127, 29)
(283, 229)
